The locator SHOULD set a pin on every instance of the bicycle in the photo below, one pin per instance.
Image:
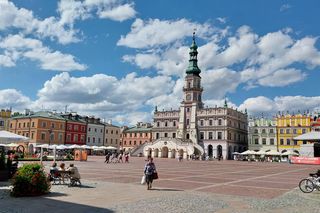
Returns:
(310, 184)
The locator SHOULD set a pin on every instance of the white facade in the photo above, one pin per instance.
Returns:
(262, 134)
(214, 132)
(95, 132)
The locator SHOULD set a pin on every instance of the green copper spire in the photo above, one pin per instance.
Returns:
(193, 61)
(225, 103)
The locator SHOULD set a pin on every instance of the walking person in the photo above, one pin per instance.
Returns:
(149, 171)
(126, 158)
(107, 158)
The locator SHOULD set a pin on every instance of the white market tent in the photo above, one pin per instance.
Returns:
(86, 147)
(289, 152)
(248, 152)
(272, 152)
(9, 137)
(260, 152)
(111, 148)
(310, 136)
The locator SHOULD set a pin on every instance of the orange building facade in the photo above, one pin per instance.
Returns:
(40, 127)
(135, 136)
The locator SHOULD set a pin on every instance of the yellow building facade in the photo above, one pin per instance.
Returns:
(5, 115)
(288, 127)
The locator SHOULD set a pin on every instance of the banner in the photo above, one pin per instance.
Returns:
(305, 160)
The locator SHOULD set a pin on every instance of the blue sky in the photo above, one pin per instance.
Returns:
(118, 59)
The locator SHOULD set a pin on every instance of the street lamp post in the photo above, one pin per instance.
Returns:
(50, 132)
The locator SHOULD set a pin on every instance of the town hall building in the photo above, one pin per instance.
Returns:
(194, 129)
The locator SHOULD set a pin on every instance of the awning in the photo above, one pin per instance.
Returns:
(9, 137)
(310, 136)
(272, 152)
(289, 152)
(248, 152)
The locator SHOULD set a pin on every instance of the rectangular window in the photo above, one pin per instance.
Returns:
(76, 127)
(75, 138)
(82, 138)
(93, 140)
(281, 131)
(1, 123)
(32, 135)
(256, 141)
(69, 127)
(158, 124)
(116, 131)
(44, 124)
(288, 141)
(187, 122)
(24, 125)
(174, 135)
(281, 141)
(43, 136)
(106, 131)
(210, 122)
(95, 129)
(52, 125)
(111, 141)
(287, 131)
(220, 122)
(60, 137)
(165, 135)
(89, 130)
(201, 122)
(271, 141)
(219, 135)
(32, 124)
(303, 131)
(111, 131)
(271, 130)
(146, 134)
(89, 139)
(263, 131)
(295, 143)
(140, 134)
(157, 135)
(264, 141)
(106, 140)
(174, 123)
(68, 138)
(201, 135)
(294, 131)
(210, 135)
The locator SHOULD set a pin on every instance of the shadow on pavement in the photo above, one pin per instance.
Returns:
(46, 204)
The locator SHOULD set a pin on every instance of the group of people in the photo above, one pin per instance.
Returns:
(116, 158)
(72, 171)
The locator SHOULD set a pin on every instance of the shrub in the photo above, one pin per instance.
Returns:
(30, 180)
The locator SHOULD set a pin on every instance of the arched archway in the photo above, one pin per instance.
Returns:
(296, 151)
(149, 152)
(156, 152)
(219, 151)
(180, 153)
(173, 153)
(187, 136)
(165, 152)
(210, 151)
(283, 151)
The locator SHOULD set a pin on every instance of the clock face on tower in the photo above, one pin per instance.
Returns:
(188, 97)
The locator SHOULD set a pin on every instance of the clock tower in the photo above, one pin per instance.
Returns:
(192, 97)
